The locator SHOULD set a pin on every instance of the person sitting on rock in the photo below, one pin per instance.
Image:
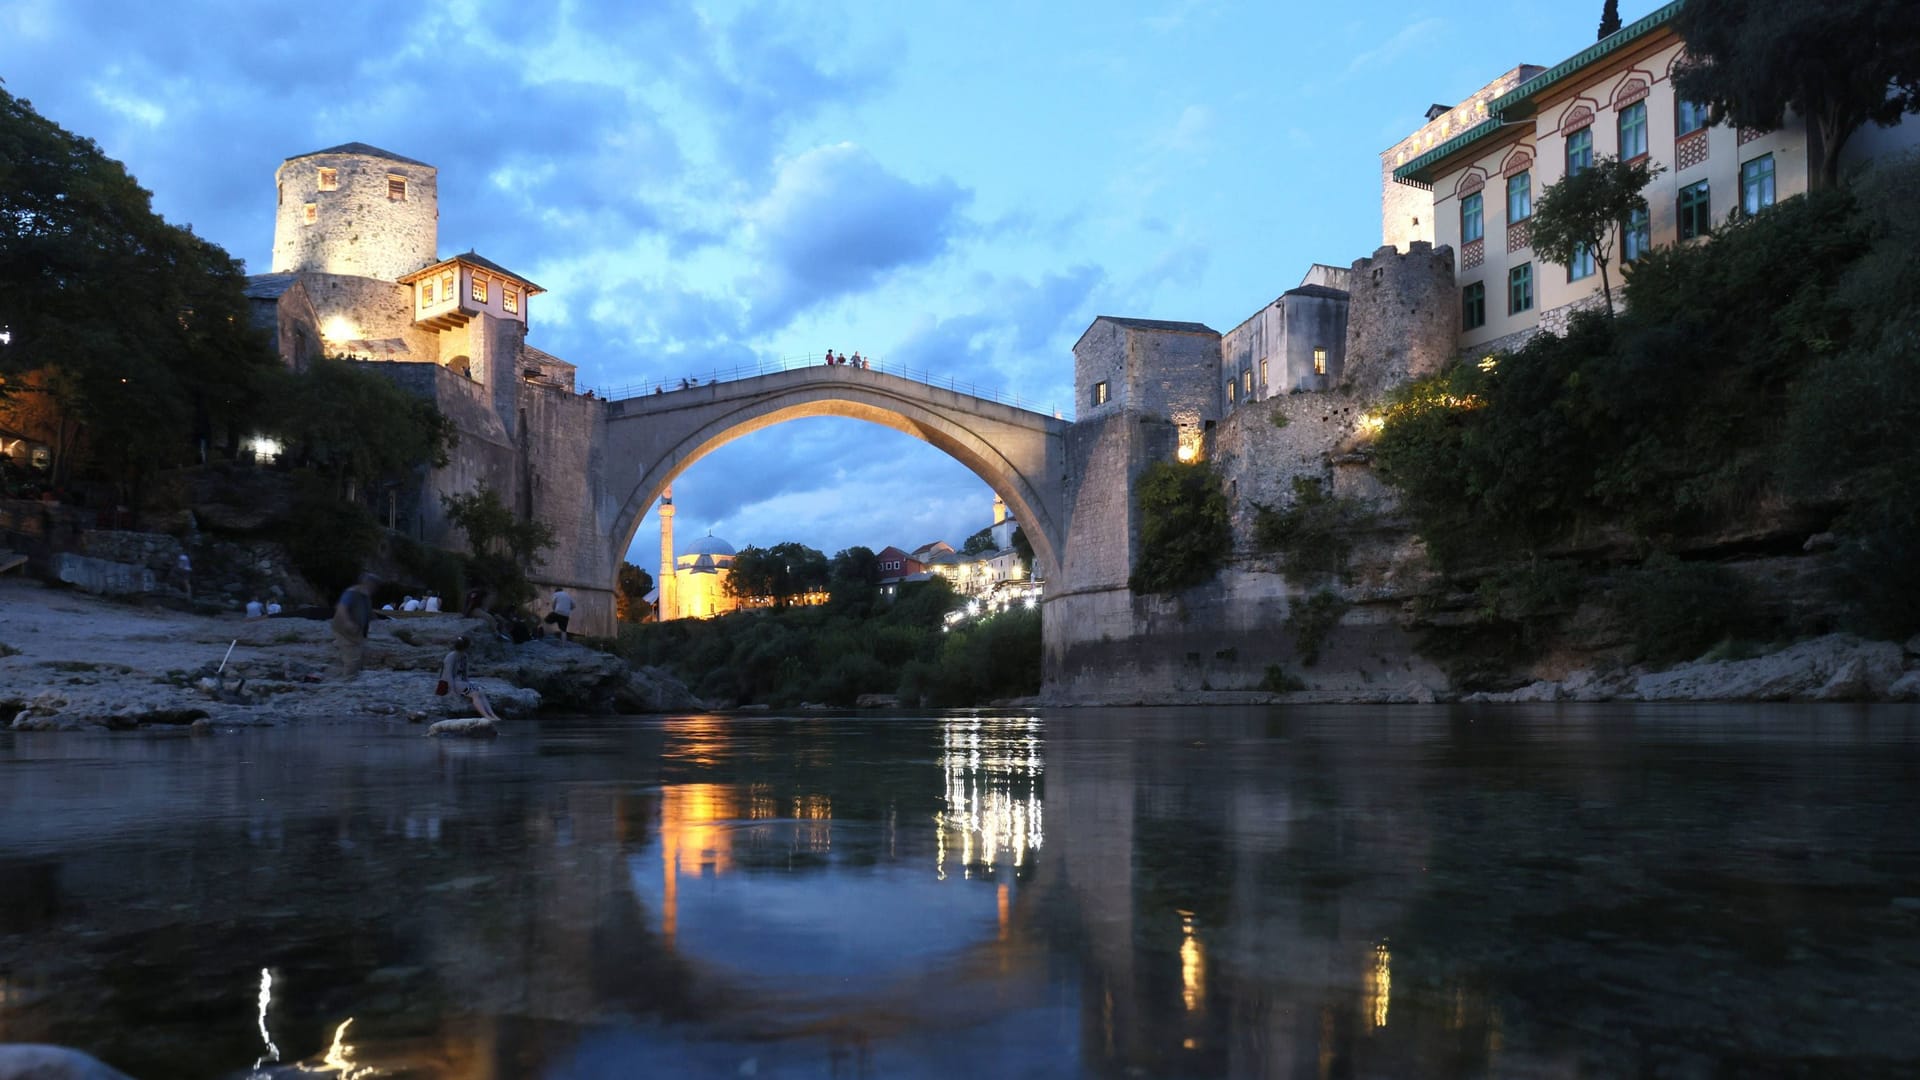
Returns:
(255, 609)
(273, 608)
(411, 603)
(453, 679)
(433, 602)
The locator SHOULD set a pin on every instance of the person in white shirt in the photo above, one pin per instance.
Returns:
(562, 611)
(255, 609)
(273, 607)
(412, 603)
(433, 602)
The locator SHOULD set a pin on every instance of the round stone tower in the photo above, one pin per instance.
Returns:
(357, 210)
(1403, 315)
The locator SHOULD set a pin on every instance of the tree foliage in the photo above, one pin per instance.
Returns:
(1185, 534)
(630, 601)
(1584, 211)
(1610, 18)
(1841, 64)
(140, 329)
(347, 421)
(504, 548)
(779, 574)
(980, 543)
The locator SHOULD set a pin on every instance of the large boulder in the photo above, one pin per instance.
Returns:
(655, 690)
(1837, 667)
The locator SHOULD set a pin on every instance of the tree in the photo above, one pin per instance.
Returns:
(348, 421)
(631, 599)
(135, 331)
(1838, 63)
(780, 573)
(1184, 531)
(980, 543)
(1610, 18)
(504, 547)
(1581, 211)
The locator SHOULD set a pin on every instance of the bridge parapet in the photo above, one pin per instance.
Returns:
(739, 372)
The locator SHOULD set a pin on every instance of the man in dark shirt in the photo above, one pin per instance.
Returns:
(351, 617)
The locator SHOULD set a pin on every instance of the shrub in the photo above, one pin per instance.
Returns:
(1185, 535)
(329, 541)
(1678, 610)
(1313, 535)
(1311, 620)
(1281, 681)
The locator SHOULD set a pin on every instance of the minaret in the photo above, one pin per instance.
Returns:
(669, 602)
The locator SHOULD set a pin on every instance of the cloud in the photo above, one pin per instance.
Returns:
(835, 223)
(1381, 55)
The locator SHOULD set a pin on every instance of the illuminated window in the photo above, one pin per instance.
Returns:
(310, 213)
(1319, 361)
(1636, 237)
(1099, 393)
(1579, 151)
(1233, 391)
(1473, 306)
(1633, 131)
(510, 299)
(1519, 197)
(1520, 289)
(1689, 117)
(446, 285)
(1756, 184)
(1472, 221)
(397, 188)
(329, 179)
(479, 289)
(1582, 264)
(1263, 373)
(279, 194)
(426, 292)
(1696, 214)
(1246, 383)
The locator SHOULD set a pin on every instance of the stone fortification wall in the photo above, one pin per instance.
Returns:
(564, 436)
(374, 311)
(1403, 316)
(358, 228)
(1259, 459)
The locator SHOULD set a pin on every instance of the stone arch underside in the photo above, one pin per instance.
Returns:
(726, 421)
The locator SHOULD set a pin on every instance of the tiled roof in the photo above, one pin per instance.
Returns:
(472, 259)
(1317, 290)
(1159, 324)
(269, 286)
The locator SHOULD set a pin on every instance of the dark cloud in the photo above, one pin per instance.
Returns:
(835, 222)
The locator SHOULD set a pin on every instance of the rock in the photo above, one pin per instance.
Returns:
(36, 1062)
(1912, 646)
(202, 726)
(569, 677)
(1838, 666)
(1905, 688)
(1821, 541)
(466, 727)
(655, 690)
(877, 701)
(1419, 694)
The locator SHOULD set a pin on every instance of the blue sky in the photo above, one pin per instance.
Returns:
(958, 187)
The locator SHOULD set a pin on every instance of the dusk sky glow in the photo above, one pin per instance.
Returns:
(953, 187)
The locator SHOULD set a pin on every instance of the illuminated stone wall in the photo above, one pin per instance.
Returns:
(358, 229)
(1403, 316)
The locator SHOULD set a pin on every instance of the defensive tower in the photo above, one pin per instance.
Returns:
(355, 210)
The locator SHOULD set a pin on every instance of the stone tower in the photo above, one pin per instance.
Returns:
(1403, 315)
(355, 210)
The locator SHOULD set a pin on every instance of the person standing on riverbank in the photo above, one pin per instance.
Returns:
(351, 618)
(453, 679)
(562, 611)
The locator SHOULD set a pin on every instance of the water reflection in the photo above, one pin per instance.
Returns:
(1313, 894)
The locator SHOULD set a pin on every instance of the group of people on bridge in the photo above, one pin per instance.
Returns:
(846, 361)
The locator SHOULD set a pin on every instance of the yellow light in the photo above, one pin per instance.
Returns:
(340, 1056)
(1372, 423)
(1187, 453)
(1193, 966)
(1489, 363)
(339, 329)
(1380, 984)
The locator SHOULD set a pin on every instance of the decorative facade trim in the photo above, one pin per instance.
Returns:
(1634, 87)
(1748, 134)
(1475, 180)
(1577, 116)
(1519, 161)
(1472, 254)
(1690, 150)
(1519, 235)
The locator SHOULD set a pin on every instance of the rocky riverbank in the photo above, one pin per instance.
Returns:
(70, 661)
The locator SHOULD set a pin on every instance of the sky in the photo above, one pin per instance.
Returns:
(957, 187)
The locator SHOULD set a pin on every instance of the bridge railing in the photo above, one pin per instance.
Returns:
(794, 363)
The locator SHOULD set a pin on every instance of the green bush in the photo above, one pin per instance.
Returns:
(1185, 535)
(1313, 536)
(1311, 621)
(1281, 681)
(330, 541)
(1678, 610)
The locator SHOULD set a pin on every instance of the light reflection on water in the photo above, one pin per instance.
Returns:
(1561, 892)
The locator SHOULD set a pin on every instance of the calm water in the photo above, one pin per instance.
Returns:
(1605, 891)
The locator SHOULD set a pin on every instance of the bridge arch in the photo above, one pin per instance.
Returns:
(1017, 453)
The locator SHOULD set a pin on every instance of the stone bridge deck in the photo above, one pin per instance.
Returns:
(652, 437)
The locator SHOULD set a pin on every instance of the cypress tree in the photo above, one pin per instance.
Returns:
(1610, 18)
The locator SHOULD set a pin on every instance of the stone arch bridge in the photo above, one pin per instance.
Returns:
(652, 438)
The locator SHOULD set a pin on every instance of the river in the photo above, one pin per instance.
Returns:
(1303, 892)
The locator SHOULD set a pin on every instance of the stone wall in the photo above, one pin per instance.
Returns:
(1403, 317)
(358, 230)
(375, 311)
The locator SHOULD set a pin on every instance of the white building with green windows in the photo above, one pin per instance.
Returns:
(1614, 97)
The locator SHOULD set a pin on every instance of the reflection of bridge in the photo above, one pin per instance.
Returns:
(653, 437)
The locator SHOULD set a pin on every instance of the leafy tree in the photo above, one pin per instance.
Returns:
(1185, 534)
(1610, 18)
(137, 332)
(504, 548)
(635, 584)
(1839, 63)
(347, 421)
(980, 543)
(1023, 548)
(780, 573)
(1581, 212)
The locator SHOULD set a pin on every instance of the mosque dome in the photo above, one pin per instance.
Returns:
(708, 545)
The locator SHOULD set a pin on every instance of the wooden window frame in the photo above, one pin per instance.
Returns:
(1621, 131)
(1320, 360)
(396, 188)
(1694, 214)
(1587, 148)
(1525, 180)
(1520, 277)
(1473, 301)
(1473, 218)
(327, 179)
(510, 299)
(478, 289)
